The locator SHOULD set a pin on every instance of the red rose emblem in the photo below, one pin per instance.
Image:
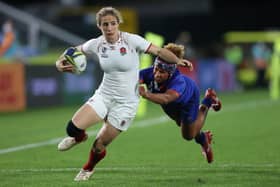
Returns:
(123, 50)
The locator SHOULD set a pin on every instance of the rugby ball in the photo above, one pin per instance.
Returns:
(77, 59)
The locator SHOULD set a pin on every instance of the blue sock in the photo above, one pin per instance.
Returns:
(200, 138)
(207, 102)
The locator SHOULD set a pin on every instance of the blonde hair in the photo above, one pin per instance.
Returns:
(178, 50)
(108, 11)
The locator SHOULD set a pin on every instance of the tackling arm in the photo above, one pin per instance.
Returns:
(159, 98)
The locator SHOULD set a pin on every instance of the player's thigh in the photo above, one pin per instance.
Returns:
(121, 115)
(188, 119)
(85, 117)
(91, 113)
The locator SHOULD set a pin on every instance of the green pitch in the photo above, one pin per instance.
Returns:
(151, 153)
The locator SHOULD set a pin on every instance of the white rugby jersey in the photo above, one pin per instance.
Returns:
(120, 63)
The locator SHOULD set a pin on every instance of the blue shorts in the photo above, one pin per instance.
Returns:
(186, 114)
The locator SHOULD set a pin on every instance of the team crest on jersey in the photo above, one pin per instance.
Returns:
(123, 50)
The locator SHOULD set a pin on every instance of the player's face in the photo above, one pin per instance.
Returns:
(160, 75)
(109, 27)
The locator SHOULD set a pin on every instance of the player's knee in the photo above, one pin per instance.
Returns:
(72, 130)
(188, 131)
(187, 137)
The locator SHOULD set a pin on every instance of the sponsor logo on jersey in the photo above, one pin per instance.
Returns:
(104, 50)
(123, 123)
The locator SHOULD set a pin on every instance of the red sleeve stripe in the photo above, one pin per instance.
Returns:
(148, 48)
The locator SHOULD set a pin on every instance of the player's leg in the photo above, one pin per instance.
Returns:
(118, 119)
(192, 122)
(83, 118)
(192, 129)
(210, 100)
(98, 151)
(192, 117)
(89, 114)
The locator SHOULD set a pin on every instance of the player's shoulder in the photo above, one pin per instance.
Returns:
(129, 36)
(94, 41)
(147, 70)
(177, 75)
(178, 79)
(92, 44)
(185, 80)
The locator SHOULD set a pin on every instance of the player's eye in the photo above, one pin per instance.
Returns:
(105, 24)
(113, 23)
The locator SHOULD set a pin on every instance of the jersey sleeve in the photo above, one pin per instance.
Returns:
(178, 85)
(145, 75)
(139, 43)
(90, 47)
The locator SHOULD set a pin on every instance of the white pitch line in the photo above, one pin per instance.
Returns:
(219, 166)
(142, 123)
(148, 122)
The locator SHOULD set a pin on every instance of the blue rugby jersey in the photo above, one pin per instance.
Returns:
(188, 100)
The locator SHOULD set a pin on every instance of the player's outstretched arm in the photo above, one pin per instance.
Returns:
(168, 56)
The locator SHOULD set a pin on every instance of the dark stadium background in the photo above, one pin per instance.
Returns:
(206, 20)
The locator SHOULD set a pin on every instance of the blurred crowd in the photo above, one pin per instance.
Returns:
(8, 47)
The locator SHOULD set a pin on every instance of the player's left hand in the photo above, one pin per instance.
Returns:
(186, 63)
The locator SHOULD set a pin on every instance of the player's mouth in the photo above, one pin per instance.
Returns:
(158, 79)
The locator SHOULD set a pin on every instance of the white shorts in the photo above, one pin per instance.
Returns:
(118, 114)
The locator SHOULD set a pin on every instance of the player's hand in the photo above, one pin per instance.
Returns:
(186, 63)
(142, 91)
(63, 66)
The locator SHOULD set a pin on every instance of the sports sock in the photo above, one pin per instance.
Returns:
(207, 102)
(81, 136)
(200, 138)
(94, 158)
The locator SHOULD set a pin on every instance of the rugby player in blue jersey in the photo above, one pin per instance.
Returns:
(179, 96)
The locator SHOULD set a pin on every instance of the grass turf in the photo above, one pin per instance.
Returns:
(152, 152)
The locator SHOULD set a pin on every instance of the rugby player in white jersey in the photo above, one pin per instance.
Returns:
(116, 100)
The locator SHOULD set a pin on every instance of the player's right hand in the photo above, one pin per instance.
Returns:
(142, 90)
(63, 66)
